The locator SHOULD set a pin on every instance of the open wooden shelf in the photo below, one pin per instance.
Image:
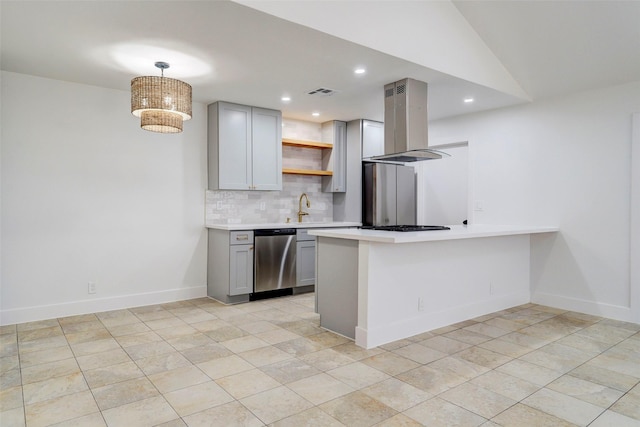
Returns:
(307, 172)
(305, 144)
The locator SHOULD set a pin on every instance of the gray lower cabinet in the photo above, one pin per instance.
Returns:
(306, 263)
(240, 269)
(337, 285)
(230, 265)
(305, 258)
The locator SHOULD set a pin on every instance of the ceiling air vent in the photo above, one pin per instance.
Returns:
(322, 91)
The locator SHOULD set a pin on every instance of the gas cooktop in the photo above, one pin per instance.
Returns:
(405, 227)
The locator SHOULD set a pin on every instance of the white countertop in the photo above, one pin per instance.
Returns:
(263, 226)
(457, 232)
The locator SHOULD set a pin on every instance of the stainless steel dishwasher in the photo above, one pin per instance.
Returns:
(275, 259)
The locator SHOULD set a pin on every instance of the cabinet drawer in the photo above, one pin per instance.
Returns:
(241, 237)
(302, 234)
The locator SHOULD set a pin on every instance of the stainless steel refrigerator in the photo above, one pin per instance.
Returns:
(389, 194)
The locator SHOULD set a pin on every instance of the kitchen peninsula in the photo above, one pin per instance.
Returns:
(381, 286)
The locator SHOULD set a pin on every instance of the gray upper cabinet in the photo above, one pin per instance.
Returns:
(372, 138)
(266, 135)
(335, 160)
(245, 151)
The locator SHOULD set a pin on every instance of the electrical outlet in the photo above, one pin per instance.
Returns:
(420, 304)
(478, 206)
(91, 288)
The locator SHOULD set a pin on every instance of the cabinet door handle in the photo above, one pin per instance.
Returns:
(242, 237)
(250, 248)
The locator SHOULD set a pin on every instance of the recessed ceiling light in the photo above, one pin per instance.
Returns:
(315, 114)
(359, 71)
(286, 98)
(468, 100)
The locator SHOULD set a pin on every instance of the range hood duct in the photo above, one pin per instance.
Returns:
(405, 123)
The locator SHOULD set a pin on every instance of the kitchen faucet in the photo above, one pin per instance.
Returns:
(300, 212)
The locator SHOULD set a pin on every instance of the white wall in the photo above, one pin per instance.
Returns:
(442, 190)
(437, 284)
(565, 162)
(89, 196)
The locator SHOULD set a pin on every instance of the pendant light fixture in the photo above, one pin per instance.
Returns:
(161, 103)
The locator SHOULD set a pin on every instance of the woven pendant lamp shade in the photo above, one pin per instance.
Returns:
(161, 103)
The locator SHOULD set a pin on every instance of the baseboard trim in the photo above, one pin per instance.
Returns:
(42, 312)
(610, 311)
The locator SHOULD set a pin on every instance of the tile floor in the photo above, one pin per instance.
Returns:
(200, 363)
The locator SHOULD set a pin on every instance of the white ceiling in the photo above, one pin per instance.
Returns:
(232, 52)
(561, 47)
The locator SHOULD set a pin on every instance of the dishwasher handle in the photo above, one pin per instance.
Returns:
(275, 232)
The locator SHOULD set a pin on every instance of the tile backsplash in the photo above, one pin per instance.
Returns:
(244, 207)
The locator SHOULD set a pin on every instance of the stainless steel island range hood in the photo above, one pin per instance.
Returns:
(405, 123)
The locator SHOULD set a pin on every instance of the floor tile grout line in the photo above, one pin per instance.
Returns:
(540, 387)
(91, 390)
(24, 405)
(453, 354)
(568, 372)
(584, 363)
(609, 408)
